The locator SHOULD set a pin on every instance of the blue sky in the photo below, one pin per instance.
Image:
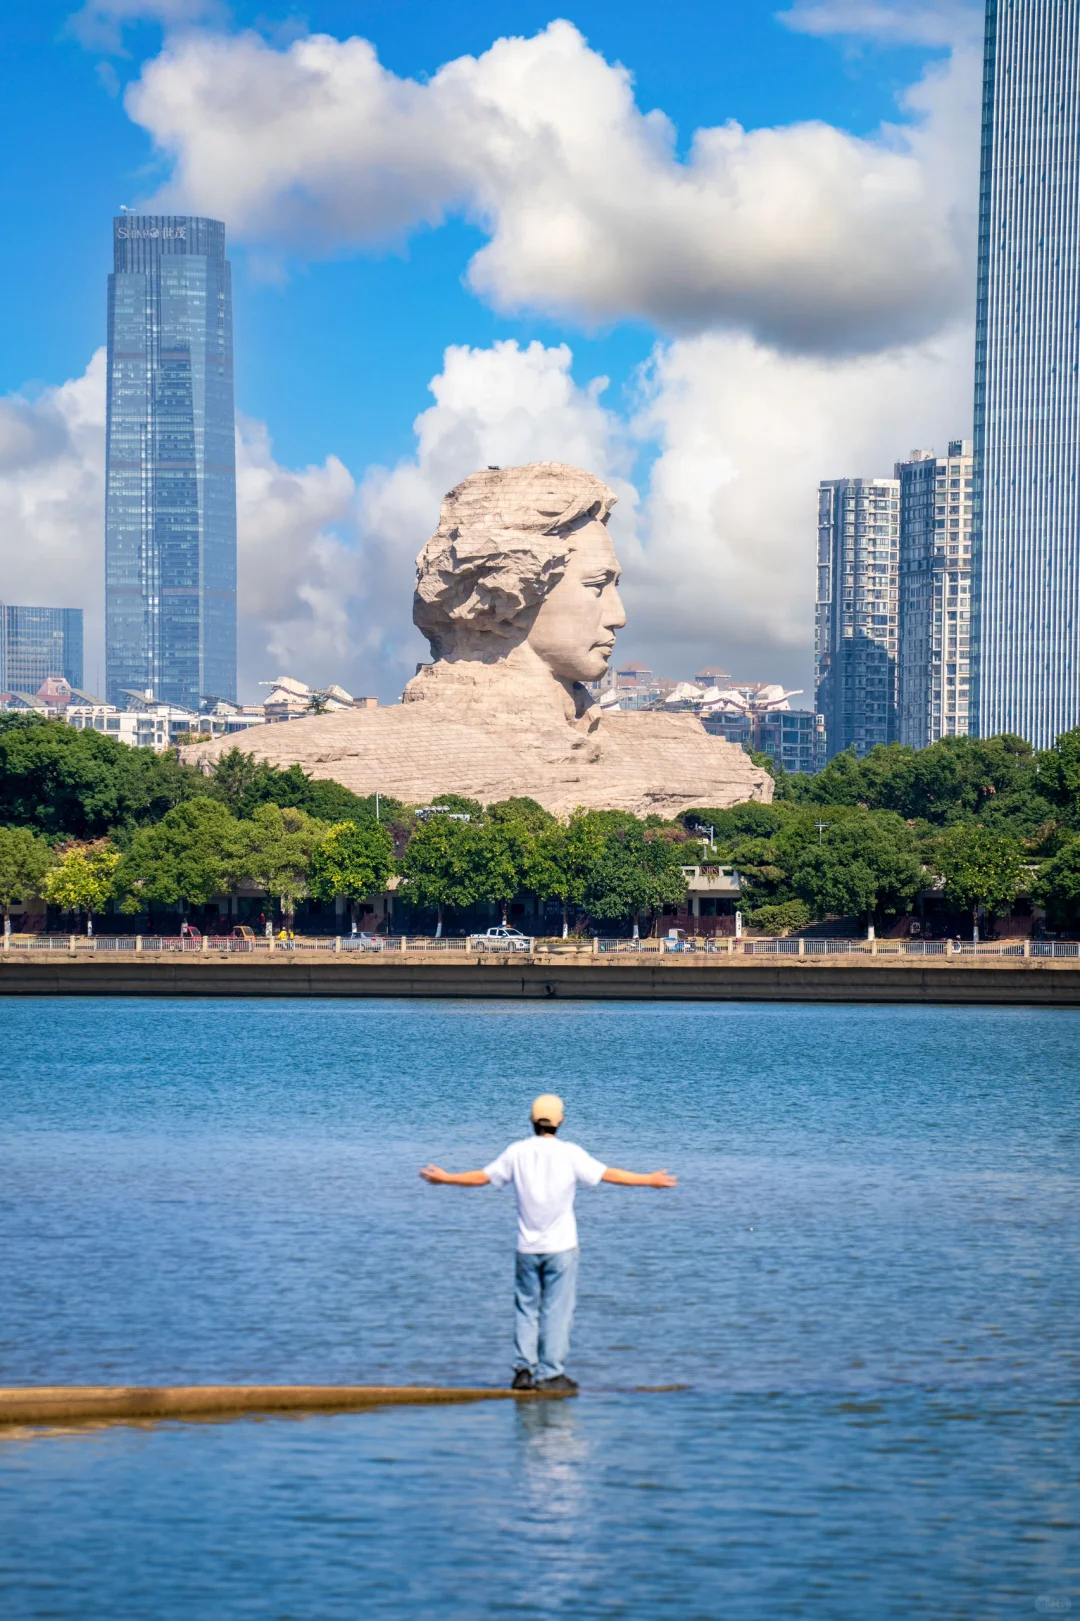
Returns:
(341, 327)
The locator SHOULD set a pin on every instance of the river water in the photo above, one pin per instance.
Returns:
(865, 1284)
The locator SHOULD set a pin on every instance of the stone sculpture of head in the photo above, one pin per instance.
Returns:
(522, 559)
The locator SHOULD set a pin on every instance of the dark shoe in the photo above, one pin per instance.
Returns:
(561, 1385)
(522, 1380)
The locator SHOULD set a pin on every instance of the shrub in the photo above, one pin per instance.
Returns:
(780, 919)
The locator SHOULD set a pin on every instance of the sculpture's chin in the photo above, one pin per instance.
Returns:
(585, 667)
(590, 671)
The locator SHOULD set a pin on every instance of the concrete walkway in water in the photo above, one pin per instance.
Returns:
(69, 1404)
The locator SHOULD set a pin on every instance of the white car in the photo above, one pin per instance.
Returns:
(501, 938)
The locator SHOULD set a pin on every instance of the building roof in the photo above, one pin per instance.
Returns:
(288, 683)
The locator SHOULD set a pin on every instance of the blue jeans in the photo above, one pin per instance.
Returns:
(545, 1289)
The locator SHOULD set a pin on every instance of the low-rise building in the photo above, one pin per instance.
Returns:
(712, 899)
(291, 699)
(145, 724)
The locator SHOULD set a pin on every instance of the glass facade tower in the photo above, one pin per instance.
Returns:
(170, 505)
(38, 642)
(1026, 599)
(856, 640)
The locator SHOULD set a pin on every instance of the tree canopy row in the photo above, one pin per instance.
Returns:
(86, 821)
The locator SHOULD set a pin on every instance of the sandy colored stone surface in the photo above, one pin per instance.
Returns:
(636, 762)
(517, 592)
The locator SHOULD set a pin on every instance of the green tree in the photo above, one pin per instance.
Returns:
(279, 846)
(635, 873)
(505, 849)
(457, 805)
(353, 862)
(980, 868)
(864, 865)
(235, 778)
(776, 769)
(244, 783)
(82, 880)
(1058, 882)
(440, 866)
(25, 858)
(194, 853)
(751, 820)
(84, 785)
(759, 862)
(502, 851)
(955, 779)
(562, 860)
(1059, 773)
(522, 812)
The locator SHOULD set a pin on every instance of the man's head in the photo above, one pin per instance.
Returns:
(546, 1114)
(522, 554)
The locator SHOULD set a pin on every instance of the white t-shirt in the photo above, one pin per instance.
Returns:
(545, 1173)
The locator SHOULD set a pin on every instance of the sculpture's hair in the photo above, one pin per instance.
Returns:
(503, 541)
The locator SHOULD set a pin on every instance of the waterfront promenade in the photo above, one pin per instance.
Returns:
(1014, 972)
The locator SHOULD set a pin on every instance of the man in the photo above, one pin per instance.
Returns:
(545, 1174)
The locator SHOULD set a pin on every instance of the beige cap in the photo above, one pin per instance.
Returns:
(547, 1107)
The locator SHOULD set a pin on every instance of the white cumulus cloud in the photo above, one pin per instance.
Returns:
(805, 236)
(297, 579)
(718, 555)
(946, 23)
(745, 434)
(52, 501)
(296, 575)
(100, 24)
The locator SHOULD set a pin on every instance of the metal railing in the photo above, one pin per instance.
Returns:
(786, 948)
(903, 948)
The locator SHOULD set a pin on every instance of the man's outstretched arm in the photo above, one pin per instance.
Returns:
(455, 1179)
(639, 1179)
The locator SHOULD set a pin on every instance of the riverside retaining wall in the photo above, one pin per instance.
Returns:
(1001, 981)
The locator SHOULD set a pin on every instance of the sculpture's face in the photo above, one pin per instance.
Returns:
(574, 630)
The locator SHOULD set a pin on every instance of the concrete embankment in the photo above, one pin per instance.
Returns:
(994, 981)
(81, 1404)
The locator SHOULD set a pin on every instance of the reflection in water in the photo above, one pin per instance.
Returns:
(556, 1492)
(554, 1459)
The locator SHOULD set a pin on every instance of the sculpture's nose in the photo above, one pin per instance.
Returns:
(615, 613)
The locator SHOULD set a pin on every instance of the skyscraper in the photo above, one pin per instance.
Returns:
(38, 642)
(1027, 409)
(935, 594)
(856, 638)
(170, 506)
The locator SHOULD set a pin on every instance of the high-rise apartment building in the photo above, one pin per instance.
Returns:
(935, 594)
(170, 514)
(1026, 624)
(856, 633)
(38, 642)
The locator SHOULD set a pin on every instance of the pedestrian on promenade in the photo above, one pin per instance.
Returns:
(545, 1173)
